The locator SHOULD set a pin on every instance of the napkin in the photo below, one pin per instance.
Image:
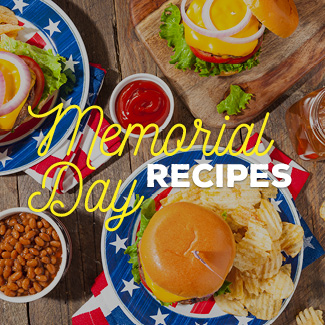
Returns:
(82, 144)
(104, 307)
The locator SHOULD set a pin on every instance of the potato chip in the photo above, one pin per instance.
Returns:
(310, 317)
(252, 250)
(271, 218)
(184, 195)
(292, 239)
(7, 16)
(242, 215)
(263, 306)
(252, 285)
(271, 267)
(237, 285)
(9, 28)
(322, 211)
(270, 192)
(280, 286)
(233, 307)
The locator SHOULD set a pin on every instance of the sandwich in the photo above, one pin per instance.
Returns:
(183, 253)
(224, 37)
(28, 77)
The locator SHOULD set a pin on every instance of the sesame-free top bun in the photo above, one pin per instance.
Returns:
(279, 16)
(166, 250)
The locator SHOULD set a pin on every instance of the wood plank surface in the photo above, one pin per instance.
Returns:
(297, 54)
(110, 39)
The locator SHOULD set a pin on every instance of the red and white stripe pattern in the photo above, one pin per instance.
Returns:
(103, 301)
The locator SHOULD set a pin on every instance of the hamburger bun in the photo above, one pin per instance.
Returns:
(279, 16)
(166, 250)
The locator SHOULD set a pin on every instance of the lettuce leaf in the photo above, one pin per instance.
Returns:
(172, 30)
(51, 65)
(235, 101)
(148, 209)
(224, 289)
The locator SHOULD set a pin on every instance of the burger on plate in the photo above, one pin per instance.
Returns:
(224, 37)
(28, 77)
(184, 253)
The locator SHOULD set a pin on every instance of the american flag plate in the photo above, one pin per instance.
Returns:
(48, 27)
(132, 303)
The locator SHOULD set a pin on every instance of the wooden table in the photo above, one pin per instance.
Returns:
(110, 40)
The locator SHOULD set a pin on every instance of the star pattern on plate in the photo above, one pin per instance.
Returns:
(159, 318)
(307, 242)
(69, 64)
(66, 102)
(158, 172)
(203, 160)
(200, 324)
(242, 320)
(276, 204)
(19, 5)
(119, 243)
(53, 27)
(129, 286)
(132, 201)
(39, 138)
(4, 158)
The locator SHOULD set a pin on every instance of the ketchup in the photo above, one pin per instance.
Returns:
(142, 102)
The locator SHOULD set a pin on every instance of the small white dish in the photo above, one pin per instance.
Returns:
(141, 76)
(66, 253)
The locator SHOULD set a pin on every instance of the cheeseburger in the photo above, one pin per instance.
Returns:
(185, 253)
(28, 77)
(223, 37)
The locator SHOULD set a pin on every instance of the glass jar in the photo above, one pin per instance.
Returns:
(306, 125)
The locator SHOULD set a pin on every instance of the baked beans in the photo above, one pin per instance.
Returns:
(31, 254)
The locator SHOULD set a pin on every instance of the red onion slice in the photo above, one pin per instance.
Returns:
(233, 30)
(25, 82)
(212, 33)
(2, 88)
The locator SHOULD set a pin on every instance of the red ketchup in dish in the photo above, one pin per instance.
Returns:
(142, 102)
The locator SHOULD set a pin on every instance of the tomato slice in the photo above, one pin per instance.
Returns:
(40, 80)
(208, 57)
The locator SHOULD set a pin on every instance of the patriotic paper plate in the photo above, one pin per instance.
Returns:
(48, 27)
(132, 303)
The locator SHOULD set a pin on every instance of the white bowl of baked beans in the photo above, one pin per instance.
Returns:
(35, 253)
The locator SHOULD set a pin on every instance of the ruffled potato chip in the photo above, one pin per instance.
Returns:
(252, 285)
(263, 306)
(271, 267)
(310, 316)
(270, 192)
(292, 239)
(253, 250)
(241, 215)
(280, 286)
(7, 16)
(237, 285)
(9, 23)
(233, 307)
(271, 218)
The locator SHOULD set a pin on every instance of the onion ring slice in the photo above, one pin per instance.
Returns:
(233, 30)
(207, 32)
(25, 82)
(2, 88)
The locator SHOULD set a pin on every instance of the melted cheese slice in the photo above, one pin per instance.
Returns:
(159, 292)
(12, 80)
(224, 15)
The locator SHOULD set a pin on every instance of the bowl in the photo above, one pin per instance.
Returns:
(66, 253)
(147, 77)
